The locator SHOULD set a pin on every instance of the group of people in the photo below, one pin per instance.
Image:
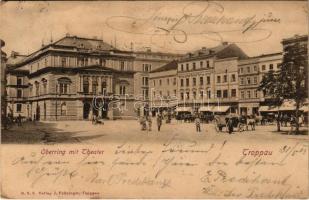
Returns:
(146, 122)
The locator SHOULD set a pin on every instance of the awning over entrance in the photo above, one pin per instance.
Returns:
(206, 109)
(220, 108)
(268, 109)
(183, 109)
(288, 105)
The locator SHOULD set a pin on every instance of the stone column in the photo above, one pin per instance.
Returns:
(110, 84)
(90, 84)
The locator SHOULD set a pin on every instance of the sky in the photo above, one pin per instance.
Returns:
(179, 27)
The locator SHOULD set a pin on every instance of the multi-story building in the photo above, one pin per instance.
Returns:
(209, 77)
(163, 87)
(144, 63)
(251, 72)
(61, 79)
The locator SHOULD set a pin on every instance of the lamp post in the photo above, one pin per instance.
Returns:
(56, 107)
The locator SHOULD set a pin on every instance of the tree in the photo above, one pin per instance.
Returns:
(291, 81)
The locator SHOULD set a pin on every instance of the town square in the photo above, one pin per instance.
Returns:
(154, 99)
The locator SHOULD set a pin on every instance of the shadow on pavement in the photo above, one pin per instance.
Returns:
(38, 132)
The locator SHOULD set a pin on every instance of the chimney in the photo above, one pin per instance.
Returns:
(225, 43)
(67, 34)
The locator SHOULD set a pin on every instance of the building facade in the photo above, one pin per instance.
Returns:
(3, 79)
(251, 72)
(60, 81)
(208, 77)
(163, 87)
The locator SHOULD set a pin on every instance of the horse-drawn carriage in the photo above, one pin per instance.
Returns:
(185, 114)
(241, 123)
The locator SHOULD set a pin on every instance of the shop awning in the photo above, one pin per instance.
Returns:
(288, 105)
(268, 109)
(183, 109)
(220, 108)
(205, 109)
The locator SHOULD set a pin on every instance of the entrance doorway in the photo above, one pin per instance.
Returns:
(86, 110)
(38, 113)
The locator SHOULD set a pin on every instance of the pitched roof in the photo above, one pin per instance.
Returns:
(221, 51)
(84, 43)
(169, 66)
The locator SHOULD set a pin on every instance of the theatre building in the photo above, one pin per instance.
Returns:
(73, 78)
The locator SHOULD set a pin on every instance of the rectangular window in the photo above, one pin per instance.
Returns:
(104, 87)
(209, 94)
(241, 81)
(233, 92)
(181, 82)
(225, 93)
(248, 81)
(207, 63)
(233, 78)
(256, 93)
(168, 81)
(121, 65)
(188, 95)
(249, 94)
(218, 79)
(263, 67)
(194, 66)
(194, 95)
(201, 80)
(19, 93)
(278, 65)
(224, 78)
(241, 70)
(187, 82)
(255, 68)
(248, 69)
(160, 82)
(19, 81)
(145, 81)
(18, 107)
(201, 93)
(63, 61)
(218, 93)
(181, 67)
(255, 80)
(201, 64)
(271, 66)
(181, 96)
(242, 94)
(145, 93)
(187, 67)
(194, 81)
(174, 81)
(208, 80)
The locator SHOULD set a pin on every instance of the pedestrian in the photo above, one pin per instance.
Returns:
(149, 123)
(230, 125)
(159, 121)
(300, 120)
(285, 119)
(198, 123)
(143, 123)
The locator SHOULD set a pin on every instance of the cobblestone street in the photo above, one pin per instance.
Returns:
(120, 130)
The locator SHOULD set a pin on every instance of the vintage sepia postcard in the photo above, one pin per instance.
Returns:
(154, 99)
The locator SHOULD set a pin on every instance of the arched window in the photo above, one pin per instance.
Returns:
(63, 109)
(37, 88)
(63, 85)
(44, 81)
